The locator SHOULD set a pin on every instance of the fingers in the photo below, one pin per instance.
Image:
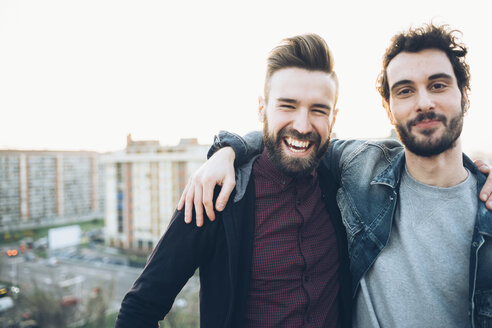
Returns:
(189, 201)
(207, 193)
(192, 198)
(226, 190)
(198, 194)
(183, 197)
(486, 192)
(488, 203)
(198, 205)
(482, 166)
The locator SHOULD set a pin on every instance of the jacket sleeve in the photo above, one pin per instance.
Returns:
(342, 151)
(180, 251)
(245, 147)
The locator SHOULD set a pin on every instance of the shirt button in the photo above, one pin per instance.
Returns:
(306, 278)
(308, 319)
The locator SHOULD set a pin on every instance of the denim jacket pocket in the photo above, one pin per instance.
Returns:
(483, 303)
(350, 220)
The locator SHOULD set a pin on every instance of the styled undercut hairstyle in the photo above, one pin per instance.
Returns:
(307, 51)
(429, 36)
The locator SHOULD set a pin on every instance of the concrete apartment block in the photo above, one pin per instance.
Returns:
(49, 187)
(143, 185)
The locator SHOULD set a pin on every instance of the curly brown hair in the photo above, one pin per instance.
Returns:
(429, 36)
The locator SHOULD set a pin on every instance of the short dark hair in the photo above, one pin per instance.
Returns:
(429, 36)
(307, 51)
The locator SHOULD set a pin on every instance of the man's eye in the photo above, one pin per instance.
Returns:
(403, 91)
(438, 86)
(287, 106)
(321, 111)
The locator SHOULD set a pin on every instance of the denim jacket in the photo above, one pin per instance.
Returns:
(368, 173)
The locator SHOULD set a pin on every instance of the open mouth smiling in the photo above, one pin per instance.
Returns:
(297, 146)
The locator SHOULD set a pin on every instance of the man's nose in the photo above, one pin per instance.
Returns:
(302, 122)
(425, 101)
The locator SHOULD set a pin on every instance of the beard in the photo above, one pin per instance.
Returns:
(289, 165)
(431, 146)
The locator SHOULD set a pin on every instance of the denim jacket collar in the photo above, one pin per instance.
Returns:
(391, 175)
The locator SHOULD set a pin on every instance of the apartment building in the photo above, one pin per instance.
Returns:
(143, 186)
(46, 187)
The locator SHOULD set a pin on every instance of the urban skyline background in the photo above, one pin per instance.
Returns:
(82, 75)
(63, 210)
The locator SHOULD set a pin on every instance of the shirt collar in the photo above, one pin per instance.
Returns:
(269, 169)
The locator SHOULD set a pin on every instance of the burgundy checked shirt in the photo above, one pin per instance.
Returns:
(294, 271)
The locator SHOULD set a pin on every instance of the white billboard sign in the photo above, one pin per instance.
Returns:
(64, 236)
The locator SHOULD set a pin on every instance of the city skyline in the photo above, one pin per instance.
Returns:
(81, 76)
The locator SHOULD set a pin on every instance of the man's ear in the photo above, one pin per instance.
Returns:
(261, 109)
(465, 103)
(333, 118)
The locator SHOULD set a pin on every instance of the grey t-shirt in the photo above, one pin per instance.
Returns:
(420, 279)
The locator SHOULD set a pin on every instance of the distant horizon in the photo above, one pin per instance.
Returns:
(472, 152)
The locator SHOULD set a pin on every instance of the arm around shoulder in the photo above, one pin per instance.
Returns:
(341, 151)
(245, 147)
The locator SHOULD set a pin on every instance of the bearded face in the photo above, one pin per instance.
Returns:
(298, 118)
(290, 165)
(425, 104)
(432, 145)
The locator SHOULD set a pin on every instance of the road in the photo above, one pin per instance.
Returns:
(70, 277)
(78, 272)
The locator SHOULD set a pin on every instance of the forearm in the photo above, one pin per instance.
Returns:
(341, 151)
(245, 147)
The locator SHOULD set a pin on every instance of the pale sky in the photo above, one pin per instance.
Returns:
(83, 74)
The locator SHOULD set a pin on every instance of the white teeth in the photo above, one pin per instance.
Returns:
(298, 144)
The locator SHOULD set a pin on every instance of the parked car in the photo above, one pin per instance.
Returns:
(29, 256)
(69, 301)
(41, 243)
(3, 290)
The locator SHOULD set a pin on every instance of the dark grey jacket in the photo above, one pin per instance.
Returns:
(222, 250)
